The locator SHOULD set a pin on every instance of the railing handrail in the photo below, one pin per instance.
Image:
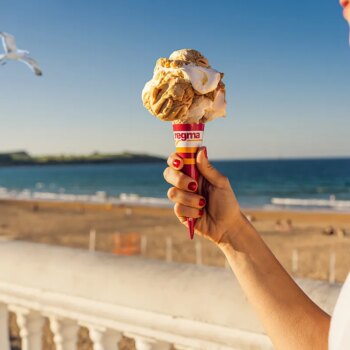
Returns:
(178, 303)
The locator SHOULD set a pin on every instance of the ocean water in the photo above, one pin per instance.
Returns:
(311, 183)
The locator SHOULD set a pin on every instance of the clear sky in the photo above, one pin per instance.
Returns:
(286, 65)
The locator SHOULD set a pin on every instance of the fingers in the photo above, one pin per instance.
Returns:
(175, 161)
(180, 180)
(177, 179)
(186, 198)
(208, 171)
(183, 211)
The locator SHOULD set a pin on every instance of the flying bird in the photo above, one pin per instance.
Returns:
(12, 53)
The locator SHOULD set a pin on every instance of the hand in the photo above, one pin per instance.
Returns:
(346, 12)
(214, 205)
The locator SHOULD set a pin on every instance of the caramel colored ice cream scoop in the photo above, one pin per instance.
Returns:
(185, 89)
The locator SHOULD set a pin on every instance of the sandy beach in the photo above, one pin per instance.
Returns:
(287, 233)
(69, 224)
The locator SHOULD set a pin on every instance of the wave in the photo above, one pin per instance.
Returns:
(101, 197)
(132, 199)
(331, 203)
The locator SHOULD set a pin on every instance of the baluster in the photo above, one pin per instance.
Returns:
(4, 327)
(65, 333)
(183, 347)
(30, 326)
(143, 343)
(111, 340)
(161, 346)
(104, 339)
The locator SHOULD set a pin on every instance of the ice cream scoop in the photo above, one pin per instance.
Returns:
(184, 88)
(187, 91)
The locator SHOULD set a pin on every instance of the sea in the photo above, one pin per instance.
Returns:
(307, 184)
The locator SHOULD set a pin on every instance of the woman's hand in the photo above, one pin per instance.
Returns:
(211, 201)
(290, 318)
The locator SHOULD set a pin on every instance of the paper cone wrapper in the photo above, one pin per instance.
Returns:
(188, 138)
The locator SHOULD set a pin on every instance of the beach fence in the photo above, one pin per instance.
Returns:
(92, 240)
(133, 243)
(296, 266)
(127, 243)
(143, 243)
(295, 260)
(198, 249)
(136, 244)
(332, 262)
(168, 249)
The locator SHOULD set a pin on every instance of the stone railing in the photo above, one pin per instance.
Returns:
(160, 305)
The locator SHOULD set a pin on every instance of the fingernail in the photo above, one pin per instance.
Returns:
(205, 152)
(202, 202)
(192, 186)
(176, 163)
(200, 212)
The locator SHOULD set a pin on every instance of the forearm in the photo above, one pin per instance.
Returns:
(289, 317)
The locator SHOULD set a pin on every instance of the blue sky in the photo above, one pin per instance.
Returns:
(286, 64)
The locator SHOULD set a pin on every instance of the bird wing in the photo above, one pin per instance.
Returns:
(32, 64)
(8, 41)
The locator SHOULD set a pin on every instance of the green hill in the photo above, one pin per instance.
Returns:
(23, 158)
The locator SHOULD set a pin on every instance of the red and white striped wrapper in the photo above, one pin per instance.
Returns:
(188, 138)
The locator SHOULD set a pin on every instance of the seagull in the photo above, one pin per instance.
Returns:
(12, 53)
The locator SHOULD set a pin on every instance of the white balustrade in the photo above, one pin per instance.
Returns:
(157, 304)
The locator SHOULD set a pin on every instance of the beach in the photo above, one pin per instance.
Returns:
(70, 224)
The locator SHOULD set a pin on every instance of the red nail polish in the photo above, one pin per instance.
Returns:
(202, 202)
(205, 152)
(200, 212)
(176, 163)
(192, 186)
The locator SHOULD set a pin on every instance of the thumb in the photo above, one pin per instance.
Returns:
(208, 171)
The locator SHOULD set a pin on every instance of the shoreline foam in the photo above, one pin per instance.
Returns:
(100, 197)
(131, 199)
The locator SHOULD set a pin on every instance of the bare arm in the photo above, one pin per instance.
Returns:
(289, 317)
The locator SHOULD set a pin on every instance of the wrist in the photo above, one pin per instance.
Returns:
(234, 234)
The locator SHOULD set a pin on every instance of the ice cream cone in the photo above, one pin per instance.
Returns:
(188, 138)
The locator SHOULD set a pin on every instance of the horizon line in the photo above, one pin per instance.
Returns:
(280, 158)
